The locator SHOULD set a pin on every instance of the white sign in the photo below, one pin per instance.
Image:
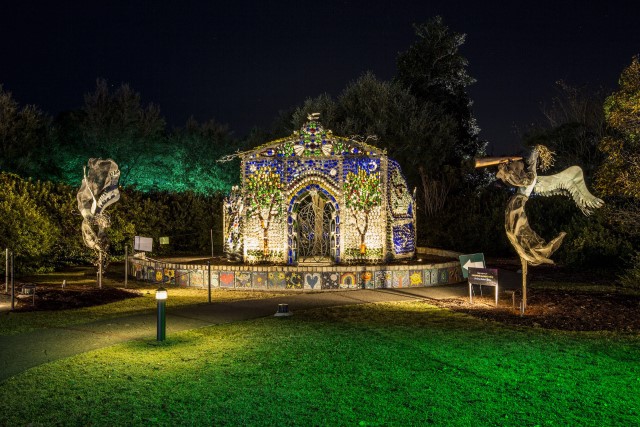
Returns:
(144, 244)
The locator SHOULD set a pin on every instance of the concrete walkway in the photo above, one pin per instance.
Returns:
(21, 352)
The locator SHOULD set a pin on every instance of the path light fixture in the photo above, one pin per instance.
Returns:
(161, 297)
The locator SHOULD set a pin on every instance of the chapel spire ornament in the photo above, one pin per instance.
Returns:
(531, 248)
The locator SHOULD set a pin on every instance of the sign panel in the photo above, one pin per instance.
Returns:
(483, 276)
(471, 260)
(164, 240)
(144, 244)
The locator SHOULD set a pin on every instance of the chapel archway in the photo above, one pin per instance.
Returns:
(314, 226)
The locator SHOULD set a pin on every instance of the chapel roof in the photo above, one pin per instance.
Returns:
(312, 140)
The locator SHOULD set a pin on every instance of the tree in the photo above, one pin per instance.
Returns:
(264, 195)
(111, 124)
(25, 227)
(434, 71)
(193, 163)
(576, 126)
(416, 134)
(363, 194)
(619, 174)
(23, 136)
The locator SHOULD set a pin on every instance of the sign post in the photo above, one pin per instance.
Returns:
(471, 260)
(482, 277)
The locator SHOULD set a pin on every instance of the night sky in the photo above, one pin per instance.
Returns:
(242, 62)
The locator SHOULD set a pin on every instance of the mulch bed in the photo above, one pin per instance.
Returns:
(48, 298)
(555, 309)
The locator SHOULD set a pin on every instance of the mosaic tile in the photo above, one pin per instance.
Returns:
(382, 279)
(415, 278)
(276, 280)
(312, 281)
(259, 280)
(330, 280)
(197, 279)
(151, 274)
(366, 280)
(400, 279)
(243, 279)
(443, 276)
(294, 280)
(431, 277)
(169, 276)
(182, 278)
(455, 274)
(227, 279)
(136, 271)
(215, 279)
(349, 281)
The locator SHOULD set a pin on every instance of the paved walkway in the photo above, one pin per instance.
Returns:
(21, 352)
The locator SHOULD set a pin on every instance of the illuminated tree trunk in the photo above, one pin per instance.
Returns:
(265, 237)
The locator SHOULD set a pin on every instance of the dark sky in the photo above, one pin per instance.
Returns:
(240, 62)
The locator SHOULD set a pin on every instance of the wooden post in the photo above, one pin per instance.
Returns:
(6, 270)
(13, 286)
(209, 281)
(100, 269)
(524, 283)
(126, 264)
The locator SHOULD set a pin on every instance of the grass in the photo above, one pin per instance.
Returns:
(19, 322)
(378, 364)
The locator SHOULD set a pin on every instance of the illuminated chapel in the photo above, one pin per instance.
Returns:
(314, 197)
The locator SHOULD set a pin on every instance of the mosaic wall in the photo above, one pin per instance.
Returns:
(297, 278)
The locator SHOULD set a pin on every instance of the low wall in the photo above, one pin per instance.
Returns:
(290, 277)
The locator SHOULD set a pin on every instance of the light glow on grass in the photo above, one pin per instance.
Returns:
(378, 364)
(20, 322)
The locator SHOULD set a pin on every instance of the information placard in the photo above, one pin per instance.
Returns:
(144, 244)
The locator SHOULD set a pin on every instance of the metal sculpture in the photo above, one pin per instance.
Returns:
(531, 248)
(98, 191)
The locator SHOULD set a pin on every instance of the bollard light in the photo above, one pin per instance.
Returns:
(161, 297)
(283, 311)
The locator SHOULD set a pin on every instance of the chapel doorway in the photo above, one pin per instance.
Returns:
(315, 227)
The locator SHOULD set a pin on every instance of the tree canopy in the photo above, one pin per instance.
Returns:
(620, 172)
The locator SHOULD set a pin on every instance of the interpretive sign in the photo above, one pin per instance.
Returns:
(144, 244)
(482, 277)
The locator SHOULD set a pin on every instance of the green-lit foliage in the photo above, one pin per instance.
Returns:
(25, 227)
(116, 125)
(620, 172)
(41, 222)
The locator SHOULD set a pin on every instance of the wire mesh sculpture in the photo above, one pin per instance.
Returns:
(531, 248)
(98, 191)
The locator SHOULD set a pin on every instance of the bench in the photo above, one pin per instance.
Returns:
(28, 290)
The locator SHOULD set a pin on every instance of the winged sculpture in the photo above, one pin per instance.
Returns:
(570, 182)
(531, 248)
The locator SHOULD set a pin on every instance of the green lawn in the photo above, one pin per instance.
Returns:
(379, 364)
(19, 322)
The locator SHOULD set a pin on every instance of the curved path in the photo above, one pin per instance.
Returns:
(21, 352)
